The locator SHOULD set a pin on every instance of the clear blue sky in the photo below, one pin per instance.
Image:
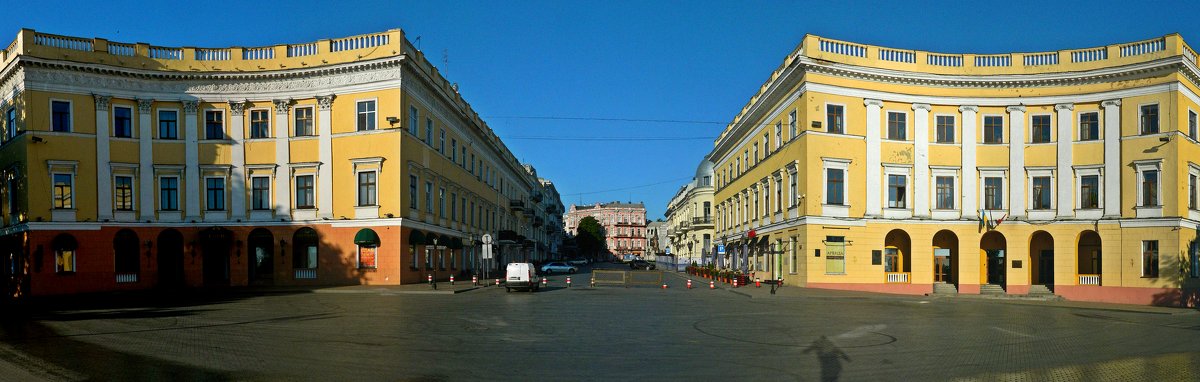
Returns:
(597, 60)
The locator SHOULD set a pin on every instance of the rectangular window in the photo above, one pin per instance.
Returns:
(778, 197)
(414, 121)
(429, 197)
(123, 193)
(835, 117)
(64, 260)
(442, 141)
(1041, 129)
(122, 122)
(453, 150)
(1148, 116)
(1192, 125)
(1192, 191)
(1089, 190)
(463, 161)
(897, 190)
(462, 211)
(366, 188)
(792, 190)
(260, 124)
(891, 259)
(367, 256)
(792, 123)
(453, 205)
(10, 123)
(63, 195)
(168, 124)
(214, 194)
(835, 254)
(945, 192)
(1089, 126)
(945, 129)
(835, 186)
(412, 191)
(1041, 193)
(304, 122)
(366, 115)
(1149, 188)
(168, 193)
(897, 126)
(442, 202)
(778, 135)
(1149, 258)
(60, 118)
(429, 131)
(260, 193)
(214, 124)
(993, 193)
(1194, 260)
(304, 192)
(993, 129)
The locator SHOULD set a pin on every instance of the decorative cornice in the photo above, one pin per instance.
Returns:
(970, 108)
(872, 102)
(1015, 109)
(1111, 102)
(1064, 106)
(237, 107)
(325, 102)
(282, 105)
(144, 105)
(101, 101)
(922, 106)
(190, 106)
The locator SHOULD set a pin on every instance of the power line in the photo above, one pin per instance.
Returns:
(628, 188)
(548, 138)
(611, 119)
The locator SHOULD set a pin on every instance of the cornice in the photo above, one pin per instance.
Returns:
(37, 62)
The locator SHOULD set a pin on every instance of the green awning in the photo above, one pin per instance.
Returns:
(416, 238)
(366, 237)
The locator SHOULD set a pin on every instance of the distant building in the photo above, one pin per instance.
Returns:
(624, 225)
(656, 237)
(690, 219)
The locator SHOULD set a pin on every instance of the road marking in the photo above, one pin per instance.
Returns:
(1013, 332)
(861, 331)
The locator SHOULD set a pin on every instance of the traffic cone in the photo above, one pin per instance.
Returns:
(758, 283)
(475, 280)
(712, 284)
(543, 281)
(497, 282)
(689, 284)
(451, 279)
(735, 282)
(568, 281)
(664, 285)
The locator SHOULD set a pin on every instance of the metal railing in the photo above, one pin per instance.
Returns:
(897, 277)
(306, 274)
(1089, 279)
(123, 278)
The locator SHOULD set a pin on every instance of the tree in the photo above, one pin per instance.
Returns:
(590, 238)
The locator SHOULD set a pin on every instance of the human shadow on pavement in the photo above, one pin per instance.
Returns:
(830, 357)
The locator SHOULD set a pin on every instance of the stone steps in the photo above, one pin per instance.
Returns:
(991, 289)
(944, 288)
(1040, 290)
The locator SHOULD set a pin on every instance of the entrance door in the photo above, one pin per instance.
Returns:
(941, 265)
(170, 259)
(215, 247)
(261, 250)
(1046, 267)
(995, 266)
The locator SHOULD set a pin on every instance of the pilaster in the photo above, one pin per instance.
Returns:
(970, 178)
(104, 200)
(145, 160)
(1016, 161)
(237, 175)
(283, 200)
(921, 180)
(1065, 177)
(874, 168)
(1112, 158)
(325, 155)
(192, 190)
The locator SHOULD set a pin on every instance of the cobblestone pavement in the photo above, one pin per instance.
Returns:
(581, 333)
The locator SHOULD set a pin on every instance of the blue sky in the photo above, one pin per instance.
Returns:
(615, 69)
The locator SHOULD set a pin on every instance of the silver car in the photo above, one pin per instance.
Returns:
(558, 267)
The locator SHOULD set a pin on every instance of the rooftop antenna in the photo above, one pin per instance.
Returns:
(445, 58)
(417, 42)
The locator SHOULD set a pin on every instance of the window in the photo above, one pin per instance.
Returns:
(1041, 193)
(993, 129)
(366, 188)
(1089, 126)
(260, 193)
(792, 190)
(945, 192)
(367, 256)
(304, 191)
(442, 141)
(453, 150)
(993, 193)
(896, 126)
(835, 118)
(260, 124)
(453, 205)
(945, 129)
(60, 116)
(429, 197)
(756, 158)
(835, 186)
(123, 193)
(412, 192)
(414, 119)
(897, 190)
(778, 197)
(778, 134)
(10, 123)
(214, 195)
(1041, 129)
(792, 123)
(214, 125)
(1149, 188)
(63, 196)
(429, 131)
(1194, 260)
(835, 254)
(462, 214)
(1192, 191)
(891, 259)
(1089, 191)
(122, 122)
(1149, 258)
(126, 247)
(64, 253)
(304, 122)
(305, 247)
(1192, 125)
(168, 193)
(366, 115)
(168, 124)
(1148, 117)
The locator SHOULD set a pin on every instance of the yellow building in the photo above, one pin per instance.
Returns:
(1070, 172)
(690, 218)
(342, 161)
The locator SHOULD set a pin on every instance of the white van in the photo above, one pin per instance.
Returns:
(521, 276)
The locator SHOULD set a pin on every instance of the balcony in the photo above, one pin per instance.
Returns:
(1089, 279)
(536, 196)
(516, 205)
(703, 222)
(897, 277)
(538, 221)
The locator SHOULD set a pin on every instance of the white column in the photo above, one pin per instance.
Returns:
(191, 157)
(970, 178)
(237, 176)
(325, 155)
(1066, 190)
(283, 176)
(1016, 161)
(874, 169)
(145, 160)
(104, 209)
(1112, 158)
(921, 159)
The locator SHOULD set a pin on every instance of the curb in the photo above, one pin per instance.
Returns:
(384, 291)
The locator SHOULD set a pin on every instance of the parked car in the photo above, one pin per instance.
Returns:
(558, 267)
(520, 276)
(641, 264)
(577, 262)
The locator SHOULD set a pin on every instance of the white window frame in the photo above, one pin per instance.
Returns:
(905, 171)
(1079, 122)
(70, 114)
(158, 124)
(1004, 133)
(269, 202)
(133, 197)
(1141, 167)
(357, 186)
(1193, 124)
(112, 124)
(835, 210)
(1029, 121)
(375, 113)
(907, 124)
(825, 117)
(296, 191)
(956, 196)
(249, 115)
(224, 198)
(1193, 170)
(1040, 214)
(312, 114)
(71, 169)
(1089, 213)
(957, 129)
(178, 193)
(204, 125)
(993, 173)
(1142, 259)
(792, 125)
(1141, 128)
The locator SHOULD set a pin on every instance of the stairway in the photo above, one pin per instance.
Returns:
(991, 289)
(941, 288)
(1040, 290)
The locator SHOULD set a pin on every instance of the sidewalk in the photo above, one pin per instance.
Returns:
(443, 287)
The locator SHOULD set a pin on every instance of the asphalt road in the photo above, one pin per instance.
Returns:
(606, 333)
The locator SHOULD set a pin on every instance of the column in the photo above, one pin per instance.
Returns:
(104, 209)
(1016, 161)
(283, 176)
(145, 160)
(921, 159)
(192, 189)
(1065, 183)
(874, 168)
(1112, 158)
(969, 178)
(325, 155)
(237, 175)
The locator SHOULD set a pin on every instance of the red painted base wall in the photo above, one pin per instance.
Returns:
(1129, 295)
(909, 289)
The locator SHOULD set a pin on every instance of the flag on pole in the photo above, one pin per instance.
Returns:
(1000, 220)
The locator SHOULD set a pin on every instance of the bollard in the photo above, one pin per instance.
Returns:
(543, 281)
(568, 281)
(735, 282)
(664, 285)
(757, 282)
(593, 282)
(451, 279)
(712, 284)
(431, 283)
(497, 282)
(689, 284)
(475, 280)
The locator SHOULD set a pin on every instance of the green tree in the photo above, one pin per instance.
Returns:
(590, 238)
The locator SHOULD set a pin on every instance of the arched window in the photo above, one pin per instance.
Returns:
(304, 246)
(64, 246)
(125, 248)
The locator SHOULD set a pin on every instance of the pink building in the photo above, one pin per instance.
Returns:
(624, 225)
